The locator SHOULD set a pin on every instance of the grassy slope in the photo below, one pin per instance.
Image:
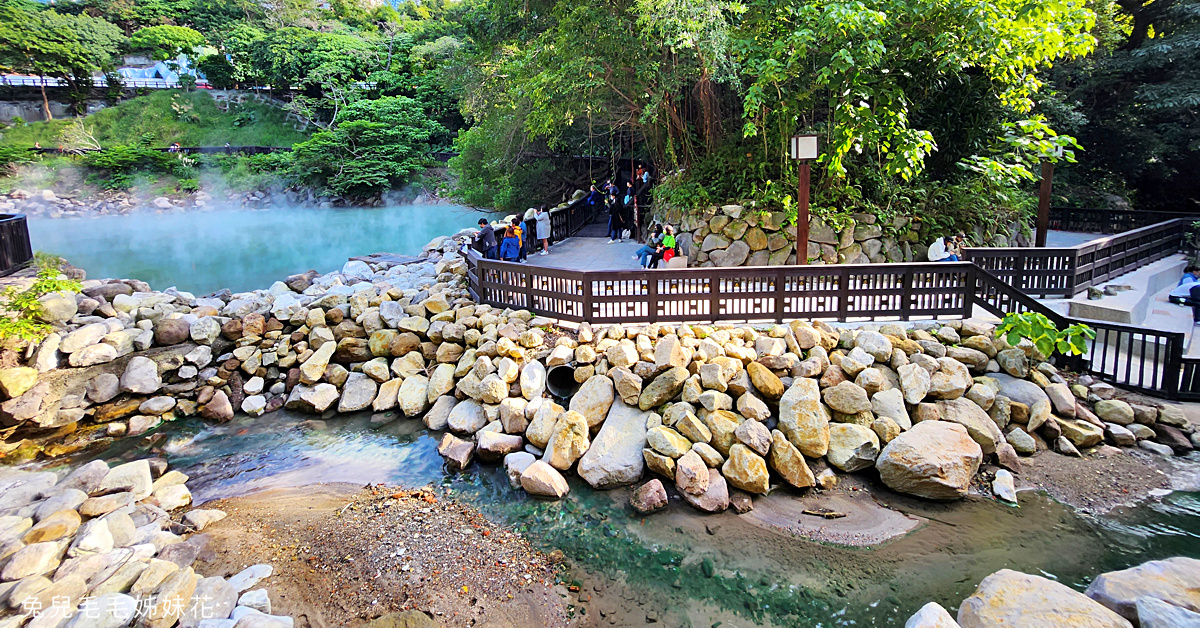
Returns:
(153, 114)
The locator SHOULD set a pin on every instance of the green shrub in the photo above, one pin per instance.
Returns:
(1044, 334)
(19, 309)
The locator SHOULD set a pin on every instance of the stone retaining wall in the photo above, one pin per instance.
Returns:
(733, 235)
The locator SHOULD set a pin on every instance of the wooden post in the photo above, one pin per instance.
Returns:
(1043, 217)
(802, 215)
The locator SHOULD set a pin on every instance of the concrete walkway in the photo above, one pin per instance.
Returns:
(1062, 239)
(588, 254)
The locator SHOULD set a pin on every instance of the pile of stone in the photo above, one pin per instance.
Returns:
(115, 547)
(711, 408)
(1156, 594)
(733, 235)
(124, 358)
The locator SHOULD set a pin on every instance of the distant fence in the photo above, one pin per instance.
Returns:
(15, 248)
(189, 150)
(1104, 220)
(1067, 271)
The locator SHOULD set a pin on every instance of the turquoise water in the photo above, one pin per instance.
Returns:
(682, 567)
(204, 251)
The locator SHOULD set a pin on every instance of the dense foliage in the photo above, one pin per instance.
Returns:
(938, 107)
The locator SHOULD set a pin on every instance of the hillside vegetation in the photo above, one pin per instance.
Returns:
(167, 116)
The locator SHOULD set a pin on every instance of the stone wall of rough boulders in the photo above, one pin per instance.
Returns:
(123, 358)
(101, 547)
(1155, 594)
(733, 235)
(715, 408)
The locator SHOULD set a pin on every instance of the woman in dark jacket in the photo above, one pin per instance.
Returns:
(616, 219)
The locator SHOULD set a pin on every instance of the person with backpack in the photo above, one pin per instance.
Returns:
(510, 245)
(519, 233)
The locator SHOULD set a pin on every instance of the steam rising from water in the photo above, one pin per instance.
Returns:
(204, 251)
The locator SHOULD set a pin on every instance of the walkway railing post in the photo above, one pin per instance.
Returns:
(652, 297)
(780, 293)
(714, 295)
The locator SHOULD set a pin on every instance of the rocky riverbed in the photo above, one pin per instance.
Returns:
(112, 547)
(1156, 594)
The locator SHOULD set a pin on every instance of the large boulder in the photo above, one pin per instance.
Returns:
(764, 380)
(803, 420)
(979, 425)
(1012, 598)
(1174, 580)
(593, 399)
(615, 456)
(1155, 613)
(141, 376)
(932, 615)
(568, 441)
(358, 393)
(852, 447)
(951, 380)
(533, 380)
(663, 388)
(746, 470)
(715, 499)
(934, 460)
(466, 417)
(847, 398)
(542, 480)
(1020, 390)
(788, 462)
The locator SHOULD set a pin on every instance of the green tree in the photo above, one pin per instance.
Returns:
(167, 42)
(51, 44)
(857, 71)
(373, 145)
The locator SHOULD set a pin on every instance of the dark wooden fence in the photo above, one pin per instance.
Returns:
(1067, 271)
(768, 293)
(1142, 359)
(1103, 220)
(15, 249)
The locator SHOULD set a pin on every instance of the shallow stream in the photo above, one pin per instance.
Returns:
(679, 567)
(205, 251)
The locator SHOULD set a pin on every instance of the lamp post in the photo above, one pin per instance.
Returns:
(802, 148)
(1043, 217)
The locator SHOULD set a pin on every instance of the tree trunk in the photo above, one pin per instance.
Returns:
(46, 101)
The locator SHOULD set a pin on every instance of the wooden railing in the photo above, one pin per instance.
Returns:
(1147, 360)
(768, 293)
(15, 248)
(1103, 220)
(1067, 271)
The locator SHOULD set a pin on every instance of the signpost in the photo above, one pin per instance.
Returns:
(802, 148)
(1043, 217)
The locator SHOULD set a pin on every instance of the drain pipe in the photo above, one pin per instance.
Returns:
(560, 381)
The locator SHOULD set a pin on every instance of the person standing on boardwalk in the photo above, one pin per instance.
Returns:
(510, 246)
(616, 220)
(543, 228)
(519, 232)
(485, 240)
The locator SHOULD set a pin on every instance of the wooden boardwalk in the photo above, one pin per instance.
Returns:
(582, 253)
